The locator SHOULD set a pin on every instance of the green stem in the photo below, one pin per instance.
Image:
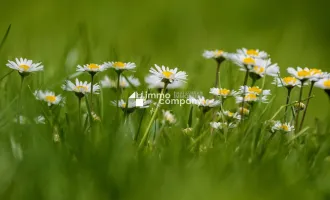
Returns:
(79, 112)
(153, 117)
(118, 92)
(19, 106)
(6, 75)
(92, 82)
(307, 103)
(287, 103)
(244, 85)
(217, 76)
(298, 110)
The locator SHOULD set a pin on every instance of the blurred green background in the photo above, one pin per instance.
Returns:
(171, 32)
(63, 33)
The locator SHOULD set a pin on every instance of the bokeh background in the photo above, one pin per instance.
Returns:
(64, 33)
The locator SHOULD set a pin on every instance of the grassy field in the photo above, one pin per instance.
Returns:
(65, 159)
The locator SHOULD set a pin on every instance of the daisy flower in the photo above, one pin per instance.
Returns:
(202, 102)
(262, 68)
(22, 120)
(40, 120)
(230, 115)
(168, 117)
(288, 82)
(316, 74)
(254, 53)
(303, 74)
(285, 127)
(130, 106)
(80, 88)
(154, 82)
(24, 66)
(123, 83)
(120, 66)
(49, 97)
(243, 111)
(218, 55)
(324, 84)
(167, 75)
(251, 97)
(220, 125)
(91, 68)
(243, 61)
(187, 130)
(223, 92)
(254, 90)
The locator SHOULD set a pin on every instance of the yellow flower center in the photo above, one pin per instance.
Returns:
(203, 102)
(224, 92)
(327, 83)
(218, 53)
(251, 96)
(315, 71)
(122, 83)
(230, 114)
(255, 90)
(24, 67)
(82, 87)
(123, 105)
(258, 70)
(244, 111)
(252, 52)
(119, 64)
(303, 73)
(285, 127)
(93, 66)
(249, 61)
(50, 98)
(167, 74)
(289, 80)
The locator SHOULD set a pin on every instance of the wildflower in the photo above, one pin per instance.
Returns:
(120, 66)
(230, 115)
(243, 61)
(218, 55)
(91, 68)
(21, 120)
(316, 74)
(24, 66)
(288, 82)
(153, 82)
(80, 88)
(324, 84)
(251, 97)
(301, 74)
(187, 130)
(262, 68)
(40, 120)
(243, 111)
(167, 75)
(205, 104)
(130, 106)
(49, 97)
(222, 125)
(254, 53)
(254, 90)
(123, 83)
(168, 117)
(285, 127)
(222, 92)
(95, 117)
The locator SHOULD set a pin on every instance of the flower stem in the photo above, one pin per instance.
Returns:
(217, 76)
(79, 112)
(118, 91)
(19, 106)
(287, 103)
(307, 103)
(92, 82)
(244, 85)
(153, 117)
(298, 110)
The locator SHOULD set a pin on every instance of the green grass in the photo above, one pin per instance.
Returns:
(104, 162)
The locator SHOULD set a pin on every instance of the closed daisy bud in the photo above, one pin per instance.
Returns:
(49, 97)
(24, 66)
(243, 111)
(299, 106)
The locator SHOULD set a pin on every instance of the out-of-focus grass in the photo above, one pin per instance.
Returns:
(62, 34)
